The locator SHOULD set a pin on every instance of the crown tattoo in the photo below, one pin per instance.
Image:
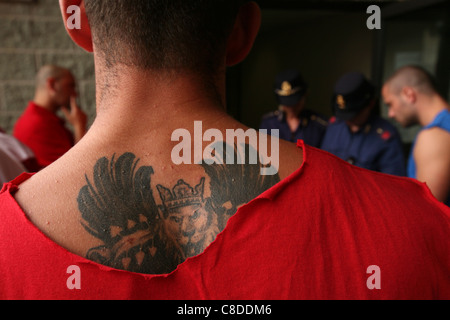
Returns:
(182, 194)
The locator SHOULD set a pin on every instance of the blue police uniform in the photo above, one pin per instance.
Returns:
(442, 121)
(376, 146)
(311, 129)
(290, 89)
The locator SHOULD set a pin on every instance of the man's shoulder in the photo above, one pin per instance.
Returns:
(433, 134)
(8, 205)
(377, 188)
(317, 118)
(441, 121)
(336, 124)
(273, 115)
(383, 129)
(432, 140)
(346, 174)
(28, 119)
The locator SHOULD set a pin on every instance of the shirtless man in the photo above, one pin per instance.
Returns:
(412, 99)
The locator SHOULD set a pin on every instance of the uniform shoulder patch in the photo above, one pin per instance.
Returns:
(332, 120)
(384, 134)
(271, 114)
(319, 120)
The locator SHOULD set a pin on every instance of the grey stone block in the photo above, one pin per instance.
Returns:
(17, 66)
(16, 97)
(7, 122)
(16, 33)
(50, 35)
(17, 8)
(47, 8)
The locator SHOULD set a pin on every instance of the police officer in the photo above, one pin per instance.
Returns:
(356, 134)
(292, 120)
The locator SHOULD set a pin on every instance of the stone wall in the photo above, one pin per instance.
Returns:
(32, 35)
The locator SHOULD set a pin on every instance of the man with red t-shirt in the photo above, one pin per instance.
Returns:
(115, 218)
(40, 128)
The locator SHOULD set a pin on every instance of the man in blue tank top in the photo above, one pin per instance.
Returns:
(412, 98)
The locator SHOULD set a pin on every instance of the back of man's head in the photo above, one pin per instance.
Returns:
(171, 35)
(414, 77)
(49, 72)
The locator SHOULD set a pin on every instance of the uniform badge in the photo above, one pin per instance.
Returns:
(286, 89)
(341, 102)
(386, 135)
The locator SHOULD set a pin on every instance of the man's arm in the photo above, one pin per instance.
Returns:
(432, 156)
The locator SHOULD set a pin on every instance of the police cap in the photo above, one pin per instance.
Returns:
(289, 87)
(352, 93)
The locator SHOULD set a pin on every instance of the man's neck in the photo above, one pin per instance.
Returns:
(292, 112)
(292, 115)
(151, 104)
(43, 101)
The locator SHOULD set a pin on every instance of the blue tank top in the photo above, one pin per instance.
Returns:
(441, 121)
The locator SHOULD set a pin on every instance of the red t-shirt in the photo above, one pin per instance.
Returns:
(328, 231)
(44, 133)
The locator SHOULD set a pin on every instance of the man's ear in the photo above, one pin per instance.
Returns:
(244, 33)
(81, 36)
(409, 94)
(51, 83)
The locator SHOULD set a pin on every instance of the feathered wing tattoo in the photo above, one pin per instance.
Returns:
(118, 207)
(233, 185)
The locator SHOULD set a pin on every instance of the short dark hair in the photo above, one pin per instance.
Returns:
(413, 76)
(163, 34)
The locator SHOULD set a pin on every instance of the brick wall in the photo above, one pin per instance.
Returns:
(32, 35)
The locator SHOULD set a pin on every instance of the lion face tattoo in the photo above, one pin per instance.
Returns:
(188, 219)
